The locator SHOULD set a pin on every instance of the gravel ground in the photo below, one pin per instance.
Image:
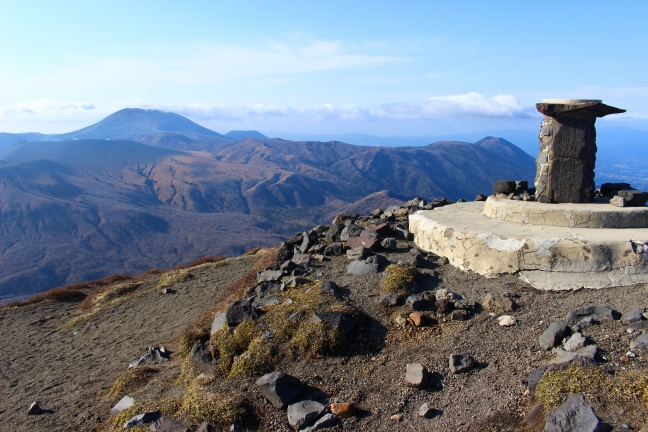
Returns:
(40, 363)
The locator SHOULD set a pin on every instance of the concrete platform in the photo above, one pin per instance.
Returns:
(547, 257)
(599, 214)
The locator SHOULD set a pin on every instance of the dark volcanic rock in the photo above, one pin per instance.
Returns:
(303, 413)
(334, 249)
(337, 320)
(349, 231)
(460, 363)
(554, 334)
(329, 287)
(369, 242)
(239, 312)
(634, 198)
(279, 388)
(574, 415)
(598, 313)
(334, 231)
(200, 353)
(504, 187)
(285, 252)
(611, 189)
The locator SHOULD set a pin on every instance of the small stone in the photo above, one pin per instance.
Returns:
(124, 403)
(220, 319)
(334, 249)
(329, 287)
(506, 320)
(326, 421)
(389, 299)
(465, 304)
(534, 378)
(554, 334)
(415, 301)
(480, 197)
(599, 313)
(460, 363)
(297, 316)
(416, 375)
(362, 268)
(639, 343)
(575, 342)
(343, 409)
(200, 353)
(417, 318)
(588, 352)
(142, 419)
(396, 417)
(442, 261)
(167, 424)
(499, 305)
(444, 306)
(401, 321)
(573, 415)
(425, 411)
(458, 315)
(444, 294)
(389, 243)
(632, 316)
(303, 413)
(265, 301)
(34, 409)
(280, 388)
(270, 275)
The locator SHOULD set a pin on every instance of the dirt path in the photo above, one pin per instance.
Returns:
(69, 374)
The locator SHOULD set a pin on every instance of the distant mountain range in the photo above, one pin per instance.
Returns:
(144, 189)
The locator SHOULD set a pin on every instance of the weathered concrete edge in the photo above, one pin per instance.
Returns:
(532, 259)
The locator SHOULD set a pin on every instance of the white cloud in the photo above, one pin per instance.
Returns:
(45, 107)
(466, 105)
(463, 105)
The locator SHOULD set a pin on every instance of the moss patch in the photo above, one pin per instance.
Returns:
(399, 279)
(597, 386)
(242, 352)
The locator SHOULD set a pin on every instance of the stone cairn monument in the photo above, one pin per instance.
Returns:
(567, 157)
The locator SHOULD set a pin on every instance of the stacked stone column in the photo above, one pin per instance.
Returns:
(567, 157)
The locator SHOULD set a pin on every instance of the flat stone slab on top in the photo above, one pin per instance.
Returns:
(547, 257)
(591, 215)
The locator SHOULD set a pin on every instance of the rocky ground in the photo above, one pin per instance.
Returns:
(409, 311)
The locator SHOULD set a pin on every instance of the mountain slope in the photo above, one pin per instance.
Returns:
(83, 209)
(241, 134)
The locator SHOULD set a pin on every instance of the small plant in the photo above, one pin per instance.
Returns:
(74, 322)
(202, 404)
(399, 279)
(173, 277)
(132, 377)
(55, 294)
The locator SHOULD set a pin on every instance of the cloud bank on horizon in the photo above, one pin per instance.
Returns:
(380, 69)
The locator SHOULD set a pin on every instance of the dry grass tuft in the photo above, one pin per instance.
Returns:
(55, 294)
(597, 386)
(168, 407)
(174, 277)
(201, 403)
(131, 378)
(105, 295)
(399, 279)
(201, 327)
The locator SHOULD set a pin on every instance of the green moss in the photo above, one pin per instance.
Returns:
(399, 279)
(318, 339)
(259, 359)
(594, 384)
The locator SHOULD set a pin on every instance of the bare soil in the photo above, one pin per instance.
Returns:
(71, 374)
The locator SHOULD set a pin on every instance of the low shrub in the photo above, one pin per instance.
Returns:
(131, 378)
(399, 279)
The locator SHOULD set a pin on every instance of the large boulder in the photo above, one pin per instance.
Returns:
(337, 320)
(305, 412)
(239, 312)
(574, 415)
(279, 388)
(504, 187)
(334, 231)
(285, 252)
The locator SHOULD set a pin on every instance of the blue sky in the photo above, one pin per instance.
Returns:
(382, 68)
